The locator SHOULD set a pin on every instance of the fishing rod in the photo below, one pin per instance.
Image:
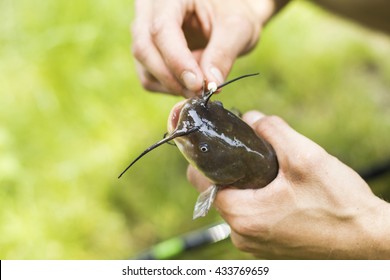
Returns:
(180, 244)
(376, 170)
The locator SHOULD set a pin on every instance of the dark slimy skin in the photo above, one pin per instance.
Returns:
(223, 147)
(218, 143)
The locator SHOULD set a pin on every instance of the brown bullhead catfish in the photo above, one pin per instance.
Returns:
(220, 145)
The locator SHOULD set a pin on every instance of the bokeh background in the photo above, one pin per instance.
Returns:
(73, 115)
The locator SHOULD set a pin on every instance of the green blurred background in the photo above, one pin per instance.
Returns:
(73, 115)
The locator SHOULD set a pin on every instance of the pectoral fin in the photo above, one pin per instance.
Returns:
(204, 202)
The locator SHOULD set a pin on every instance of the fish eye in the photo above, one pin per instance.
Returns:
(204, 147)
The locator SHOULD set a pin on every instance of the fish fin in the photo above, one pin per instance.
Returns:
(204, 202)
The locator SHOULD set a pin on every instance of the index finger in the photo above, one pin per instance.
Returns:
(169, 38)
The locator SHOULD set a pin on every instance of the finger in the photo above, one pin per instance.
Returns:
(228, 40)
(152, 62)
(292, 148)
(169, 38)
(230, 202)
(198, 180)
(251, 117)
(146, 53)
(150, 83)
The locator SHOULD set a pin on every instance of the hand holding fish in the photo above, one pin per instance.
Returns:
(316, 208)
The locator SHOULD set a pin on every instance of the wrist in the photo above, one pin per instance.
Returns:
(378, 225)
(265, 9)
(260, 12)
(368, 236)
(362, 232)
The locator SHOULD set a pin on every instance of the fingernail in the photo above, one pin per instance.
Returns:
(217, 75)
(252, 116)
(189, 80)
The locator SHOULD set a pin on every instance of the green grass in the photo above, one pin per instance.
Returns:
(73, 114)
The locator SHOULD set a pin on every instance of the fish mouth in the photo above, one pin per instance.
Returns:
(174, 116)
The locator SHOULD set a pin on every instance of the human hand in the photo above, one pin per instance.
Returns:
(178, 44)
(316, 208)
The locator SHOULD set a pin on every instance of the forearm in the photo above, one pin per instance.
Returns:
(373, 13)
(365, 234)
(266, 9)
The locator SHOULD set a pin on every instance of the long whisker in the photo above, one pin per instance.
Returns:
(159, 143)
(169, 143)
(207, 95)
(236, 79)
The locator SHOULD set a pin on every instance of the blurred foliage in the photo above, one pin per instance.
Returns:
(73, 114)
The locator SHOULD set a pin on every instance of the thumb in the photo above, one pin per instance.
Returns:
(229, 38)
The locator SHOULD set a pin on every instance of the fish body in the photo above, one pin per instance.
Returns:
(220, 145)
(224, 148)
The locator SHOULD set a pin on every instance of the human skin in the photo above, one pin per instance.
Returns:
(178, 44)
(373, 13)
(316, 208)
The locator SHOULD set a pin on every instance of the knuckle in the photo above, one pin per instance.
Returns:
(157, 27)
(147, 84)
(246, 235)
(237, 20)
(310, 158)
(273, 120)
(305, 161)
(140, 51)
(241, 244)
(268, 124)
(239, 226)
(247, 25)
(247, 227)
(223, 59)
